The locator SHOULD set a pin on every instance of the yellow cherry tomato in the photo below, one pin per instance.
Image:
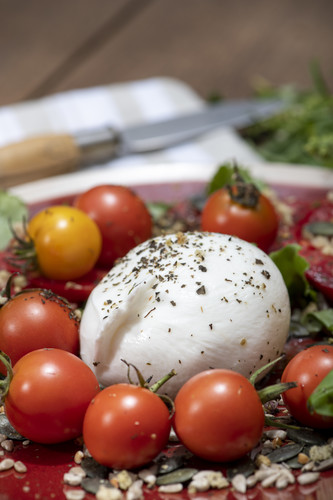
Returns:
(67, 242)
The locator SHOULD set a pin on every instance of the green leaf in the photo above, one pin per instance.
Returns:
(157, 209)
(12, 209)
(225, 175)
(292, 267)
(302, 133)
(321, 400)
(317, 320)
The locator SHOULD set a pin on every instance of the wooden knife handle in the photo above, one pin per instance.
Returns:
(37, 158)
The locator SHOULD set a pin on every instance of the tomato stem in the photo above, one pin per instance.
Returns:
(242, 192)
(273, 391)
(7, 291)
(24, 253)
(276, 422)
(260, 370)
(145, 383)
(5, 383)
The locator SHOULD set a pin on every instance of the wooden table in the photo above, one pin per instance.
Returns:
(216, 46)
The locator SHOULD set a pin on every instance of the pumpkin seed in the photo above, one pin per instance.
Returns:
(285, 453)
(168, 464)
(244, 466)
(176, 476)
(92, 484)
(320, 228)
(306, 436)
(8, 430)
(293, 463)
(93, 468)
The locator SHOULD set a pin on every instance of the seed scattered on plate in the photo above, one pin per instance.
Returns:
(308, 477)
(20, 467)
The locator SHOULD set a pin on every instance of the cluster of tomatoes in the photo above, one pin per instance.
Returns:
(103, 224)
(51, 396)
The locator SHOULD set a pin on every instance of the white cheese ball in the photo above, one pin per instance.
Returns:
(188, 302)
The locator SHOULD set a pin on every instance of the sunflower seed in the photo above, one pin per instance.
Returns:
(207, 479)
(282, 482)
(105, 493)
(239, 483)
(170, 488)
(271, 479)
(20, 467)
(309, 466)
(323, 465)
(72, 479)
(276, 433)
(308, 477)
(148, 475)
(8, 445)
(251, 481)
(134, 492)
(6, 464)
(74, 494)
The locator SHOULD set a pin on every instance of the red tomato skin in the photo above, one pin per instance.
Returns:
(122, 217)
(307, 368)
(126, 426)
(256, 225)
(49, 394)
(35, 319)
(218, 415)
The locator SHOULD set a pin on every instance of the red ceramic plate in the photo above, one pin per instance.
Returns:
(46, 465)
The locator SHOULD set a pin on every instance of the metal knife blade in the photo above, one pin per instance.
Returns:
(48, 155)
(145, 138)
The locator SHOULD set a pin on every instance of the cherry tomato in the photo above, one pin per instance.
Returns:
(49, 394)
(218, 415)
(320, 272)
(66, 241)
(122, 217)
(258, 224)
(36, 319)
(126, 426)
(307, 369)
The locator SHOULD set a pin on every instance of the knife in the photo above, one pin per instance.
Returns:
(54, 154)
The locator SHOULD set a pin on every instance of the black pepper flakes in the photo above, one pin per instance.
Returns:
(201, 290)
(266, 274)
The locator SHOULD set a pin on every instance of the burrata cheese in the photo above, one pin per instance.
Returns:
(188, 302)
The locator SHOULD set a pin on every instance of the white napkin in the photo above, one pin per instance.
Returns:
(120, 105)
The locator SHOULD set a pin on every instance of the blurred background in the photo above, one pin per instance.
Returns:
(218, 47)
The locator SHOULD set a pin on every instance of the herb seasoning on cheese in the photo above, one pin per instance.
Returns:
(188, 302)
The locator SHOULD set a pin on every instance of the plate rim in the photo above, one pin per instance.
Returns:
(158, 173)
